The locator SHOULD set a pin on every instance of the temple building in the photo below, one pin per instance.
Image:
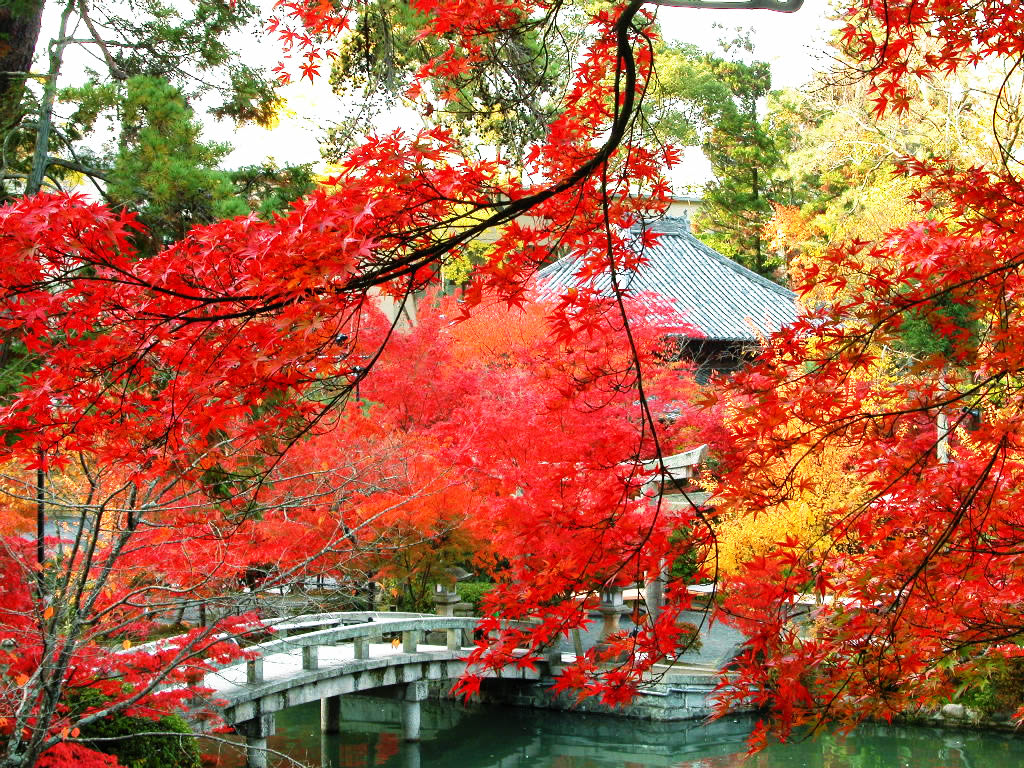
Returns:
(722, 310)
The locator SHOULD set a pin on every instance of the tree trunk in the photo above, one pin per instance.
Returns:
(19, 33)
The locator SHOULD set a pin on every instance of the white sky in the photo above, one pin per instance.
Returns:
(791, 43)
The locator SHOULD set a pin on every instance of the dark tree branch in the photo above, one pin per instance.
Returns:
(72, 165)
(783, 6)
(115, 71)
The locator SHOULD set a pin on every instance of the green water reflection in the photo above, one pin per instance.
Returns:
(492, 737)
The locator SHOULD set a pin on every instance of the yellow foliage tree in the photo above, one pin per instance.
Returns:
(845, 167)
(816, 486)
(811, 490)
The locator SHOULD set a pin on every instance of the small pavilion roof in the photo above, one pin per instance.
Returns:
(687, 283)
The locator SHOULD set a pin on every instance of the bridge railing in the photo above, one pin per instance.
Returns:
(361, 635)
(311, 621)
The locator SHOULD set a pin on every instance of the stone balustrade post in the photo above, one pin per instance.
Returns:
(410, 639)
(454, 638)
(310, 657)
(554, 659)
(361, 647)
(254, 671)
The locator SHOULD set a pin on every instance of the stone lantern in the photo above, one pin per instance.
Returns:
(446, 597)
(611, 608)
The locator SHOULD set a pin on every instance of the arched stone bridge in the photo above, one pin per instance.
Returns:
(325, 656)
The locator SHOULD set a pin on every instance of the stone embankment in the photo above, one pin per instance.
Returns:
(676, 693)
(960, 716)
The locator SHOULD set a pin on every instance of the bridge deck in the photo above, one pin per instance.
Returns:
(233, 682)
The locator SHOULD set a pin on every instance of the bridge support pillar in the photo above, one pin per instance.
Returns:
(414, 694)
(412, 755)
(256, 732)
(255, 752)
(330, 714)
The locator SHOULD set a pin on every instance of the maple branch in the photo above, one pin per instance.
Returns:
(940, 541)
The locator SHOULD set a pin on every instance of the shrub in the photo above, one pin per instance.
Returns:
(136, 746)
(998, 690)
(134, 741)
(472, 592)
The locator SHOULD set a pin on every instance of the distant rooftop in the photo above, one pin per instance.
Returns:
(687, 283)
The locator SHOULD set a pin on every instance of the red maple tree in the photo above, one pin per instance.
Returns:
(175, 386)
(181, 385)
(917, 594)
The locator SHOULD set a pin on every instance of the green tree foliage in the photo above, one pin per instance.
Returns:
(996, 689)
(135, 55)
(848, 171)
(922, 333)
(846, 163)
(269, 188)
(15, 363)
(712, 101)
(160, 166)
(473, 592)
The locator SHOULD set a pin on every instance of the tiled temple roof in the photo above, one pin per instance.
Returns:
(687, 283)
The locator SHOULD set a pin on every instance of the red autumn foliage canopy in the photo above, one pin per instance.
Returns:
(183, 396)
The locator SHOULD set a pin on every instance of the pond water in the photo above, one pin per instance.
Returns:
(499, 737)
